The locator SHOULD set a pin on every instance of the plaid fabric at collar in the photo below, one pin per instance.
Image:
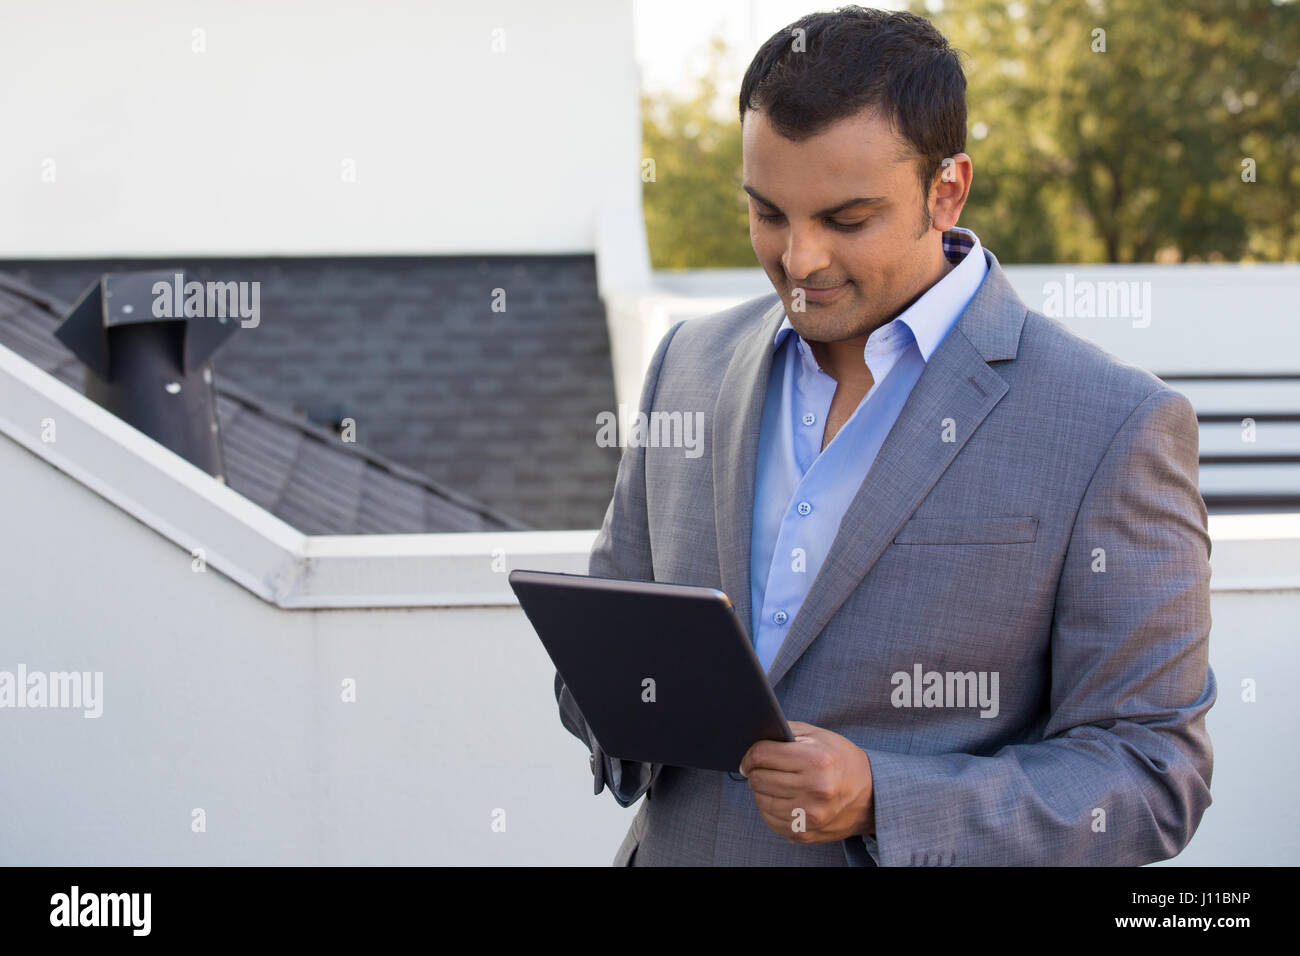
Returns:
(956, 243)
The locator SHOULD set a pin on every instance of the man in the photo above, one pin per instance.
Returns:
(968, 544)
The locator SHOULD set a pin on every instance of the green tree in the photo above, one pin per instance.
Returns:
(695, 210)
(1104, 130)
(1116, 130)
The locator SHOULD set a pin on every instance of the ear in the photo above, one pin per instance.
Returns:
(950, 189)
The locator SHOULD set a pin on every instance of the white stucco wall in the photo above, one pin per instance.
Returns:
(222, 688)
(241, 149)
(1194, 318)
(215, 699)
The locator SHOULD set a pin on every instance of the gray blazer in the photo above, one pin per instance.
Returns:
(1034, 513)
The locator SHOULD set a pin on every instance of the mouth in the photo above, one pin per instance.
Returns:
(823, 294)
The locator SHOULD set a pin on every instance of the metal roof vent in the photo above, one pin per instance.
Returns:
(147, 361)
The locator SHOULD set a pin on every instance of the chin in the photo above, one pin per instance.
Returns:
(829, 327)
(812, 331)
(828, 317)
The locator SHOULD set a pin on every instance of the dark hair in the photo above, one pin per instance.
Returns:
(854, 59)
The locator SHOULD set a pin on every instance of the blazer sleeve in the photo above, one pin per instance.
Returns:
(1122, 774)
(621, 550)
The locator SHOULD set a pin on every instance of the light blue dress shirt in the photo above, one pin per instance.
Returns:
(801, 492)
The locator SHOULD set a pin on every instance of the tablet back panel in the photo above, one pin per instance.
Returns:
(663, 673)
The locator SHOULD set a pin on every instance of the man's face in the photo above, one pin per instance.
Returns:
(839, 215)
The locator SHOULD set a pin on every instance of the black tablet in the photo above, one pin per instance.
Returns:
(663, 673)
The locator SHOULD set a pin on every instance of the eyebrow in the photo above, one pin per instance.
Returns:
(825, 212)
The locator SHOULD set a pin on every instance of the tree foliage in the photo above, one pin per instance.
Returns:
(1101, 131)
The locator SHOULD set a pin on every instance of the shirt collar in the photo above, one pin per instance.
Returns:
(930, 317)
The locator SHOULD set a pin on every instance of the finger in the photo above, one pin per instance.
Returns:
(782, 822)
(776, 783)
(776, 813)
(796, 757)
(760, 755)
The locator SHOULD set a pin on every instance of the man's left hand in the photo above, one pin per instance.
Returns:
(814, 790)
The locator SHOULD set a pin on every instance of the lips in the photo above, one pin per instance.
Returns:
(822, 294)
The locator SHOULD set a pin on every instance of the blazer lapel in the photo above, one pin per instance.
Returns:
(957, 384)
(737, 419)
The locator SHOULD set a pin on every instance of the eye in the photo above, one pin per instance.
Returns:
(837, 226)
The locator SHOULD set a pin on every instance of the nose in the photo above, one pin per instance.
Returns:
(805, 254)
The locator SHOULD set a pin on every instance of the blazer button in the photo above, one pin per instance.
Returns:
(591, 762)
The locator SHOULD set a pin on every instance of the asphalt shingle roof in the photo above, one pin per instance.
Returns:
(301, 472)
(501, 405)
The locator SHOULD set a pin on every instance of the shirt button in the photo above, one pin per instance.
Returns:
(809, 418)
(780, 617)
(804, 508)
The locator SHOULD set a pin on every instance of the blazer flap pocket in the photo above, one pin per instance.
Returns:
(999, 529)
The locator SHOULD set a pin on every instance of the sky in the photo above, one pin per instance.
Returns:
(672, 36)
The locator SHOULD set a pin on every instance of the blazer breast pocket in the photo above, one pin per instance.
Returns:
(997, 529)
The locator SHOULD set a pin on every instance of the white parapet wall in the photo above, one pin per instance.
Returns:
(279, 129)
(1171, 319)
(226, 682)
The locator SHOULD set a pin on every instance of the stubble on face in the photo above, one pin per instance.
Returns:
(884, 262)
